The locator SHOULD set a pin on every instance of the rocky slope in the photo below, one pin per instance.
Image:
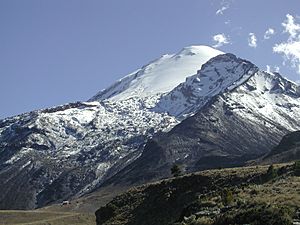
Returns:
(50, 155)
(243, 121)
(57, 153)
(226, 112)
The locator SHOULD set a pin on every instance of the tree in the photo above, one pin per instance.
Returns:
(271, 173)
(297, 168)
(176, 170)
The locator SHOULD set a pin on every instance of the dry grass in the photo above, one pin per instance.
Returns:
(37, 217)
(90, 202)
(283, 191)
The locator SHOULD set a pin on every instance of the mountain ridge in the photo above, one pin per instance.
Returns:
(90, 141)
(241, 124)
(74, 149)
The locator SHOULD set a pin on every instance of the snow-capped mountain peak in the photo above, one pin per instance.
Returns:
(160, 76)
(199, 50)
(69, 150)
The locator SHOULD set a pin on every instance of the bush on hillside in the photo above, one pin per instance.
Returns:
(193, 220)
(227, 197)
(271, 173)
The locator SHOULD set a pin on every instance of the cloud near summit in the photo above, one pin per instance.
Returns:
(290, 49)
(220, 40)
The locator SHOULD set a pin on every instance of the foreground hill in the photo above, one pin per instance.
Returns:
(250, 195)
(244, 195)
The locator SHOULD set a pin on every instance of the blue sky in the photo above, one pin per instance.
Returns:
(58, 51)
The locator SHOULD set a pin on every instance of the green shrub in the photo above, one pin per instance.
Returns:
(227, 197)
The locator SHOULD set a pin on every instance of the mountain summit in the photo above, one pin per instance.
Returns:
(200, 107)
(160, 76)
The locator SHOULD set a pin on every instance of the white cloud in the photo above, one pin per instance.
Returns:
(290, 49)
(225, 4)
(290, 26)
(221, 10)
(252, 40)
(220, 40)
(269, 33)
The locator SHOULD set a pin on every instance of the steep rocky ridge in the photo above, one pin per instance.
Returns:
(231, 112)
(50, 155)
(242, 123)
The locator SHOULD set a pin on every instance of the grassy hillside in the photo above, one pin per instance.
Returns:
(250, 195)
(213, 197)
